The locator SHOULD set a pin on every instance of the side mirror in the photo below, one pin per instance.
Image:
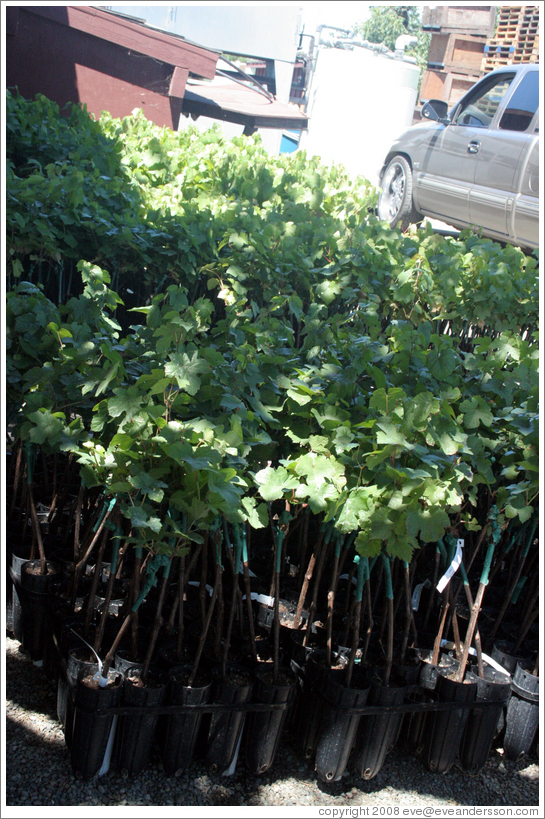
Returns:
(436, 110)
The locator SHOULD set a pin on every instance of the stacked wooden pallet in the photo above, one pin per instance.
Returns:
(458, 38)
(516, 40)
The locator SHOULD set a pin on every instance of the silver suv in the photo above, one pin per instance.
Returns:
(477, 165)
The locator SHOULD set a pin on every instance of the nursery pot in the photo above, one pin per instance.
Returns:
(339, 728)
(179, 731)
(264, 728)
(311, 704)
(503, 652)
(445, 728)
(522, 718)
(429, 671)
(416, 720)
(135, 733)
(35, 608)
(92, 725)
(302, 653)
(481, 723)
(124, 664)
(78, 658)
(410, 672)
(416, 732)
(226, 728)
(20, 555)
(411, 667)
(377, 732)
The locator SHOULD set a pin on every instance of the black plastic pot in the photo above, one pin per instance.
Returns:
(302, 653)
(226, 728)
(178, 732)
(78, 659)
(410, 669)
(377, 732)
(504, 653)
(415, 721)
(20, 555)
(429, 671)
(444, 729)
(481, 724)
(310, 704)
(124, 664)
(522, 718)
(35, 608)
(92, 726)
(410, 672)
(264, 728)
(135, 733)
(339, 728)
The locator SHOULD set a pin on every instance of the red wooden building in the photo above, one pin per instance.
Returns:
(115, 63)
(83, 54)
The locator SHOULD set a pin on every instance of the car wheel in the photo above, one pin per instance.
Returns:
(395, 204)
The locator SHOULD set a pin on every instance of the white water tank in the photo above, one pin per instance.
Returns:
(359, 102)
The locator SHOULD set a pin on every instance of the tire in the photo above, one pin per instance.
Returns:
(395, 204)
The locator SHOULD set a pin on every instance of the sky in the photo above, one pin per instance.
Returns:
(342, 13)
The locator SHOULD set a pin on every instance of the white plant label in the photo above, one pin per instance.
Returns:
(417, 593)
(453, 568)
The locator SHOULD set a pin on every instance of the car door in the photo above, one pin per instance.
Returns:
(523, 219)
(447, 171)
(501, 154)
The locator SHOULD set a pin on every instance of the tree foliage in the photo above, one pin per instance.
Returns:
(386, 23)
(283, 345)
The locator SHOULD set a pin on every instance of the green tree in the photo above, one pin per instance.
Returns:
(387, 23)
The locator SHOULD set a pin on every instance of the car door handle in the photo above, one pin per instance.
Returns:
(473, 147)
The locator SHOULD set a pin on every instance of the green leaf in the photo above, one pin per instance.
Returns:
(389, 433)
(272, 482)
(317, 470)
(47, 428)
(476, 411)
(385, 402)
(141, 519)
(428, 524)
(257, 515)
(128, 401)
(367, 546)
(187, 370)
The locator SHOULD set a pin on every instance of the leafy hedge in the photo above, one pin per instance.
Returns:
(211, 330)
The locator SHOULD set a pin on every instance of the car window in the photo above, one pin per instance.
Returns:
(479, 108)
(522, 105)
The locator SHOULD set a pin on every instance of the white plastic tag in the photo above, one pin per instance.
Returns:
(261, 598)
(417, 593)
(473, 652)
(453, 568)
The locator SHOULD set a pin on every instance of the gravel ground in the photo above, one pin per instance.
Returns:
(38, 771)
